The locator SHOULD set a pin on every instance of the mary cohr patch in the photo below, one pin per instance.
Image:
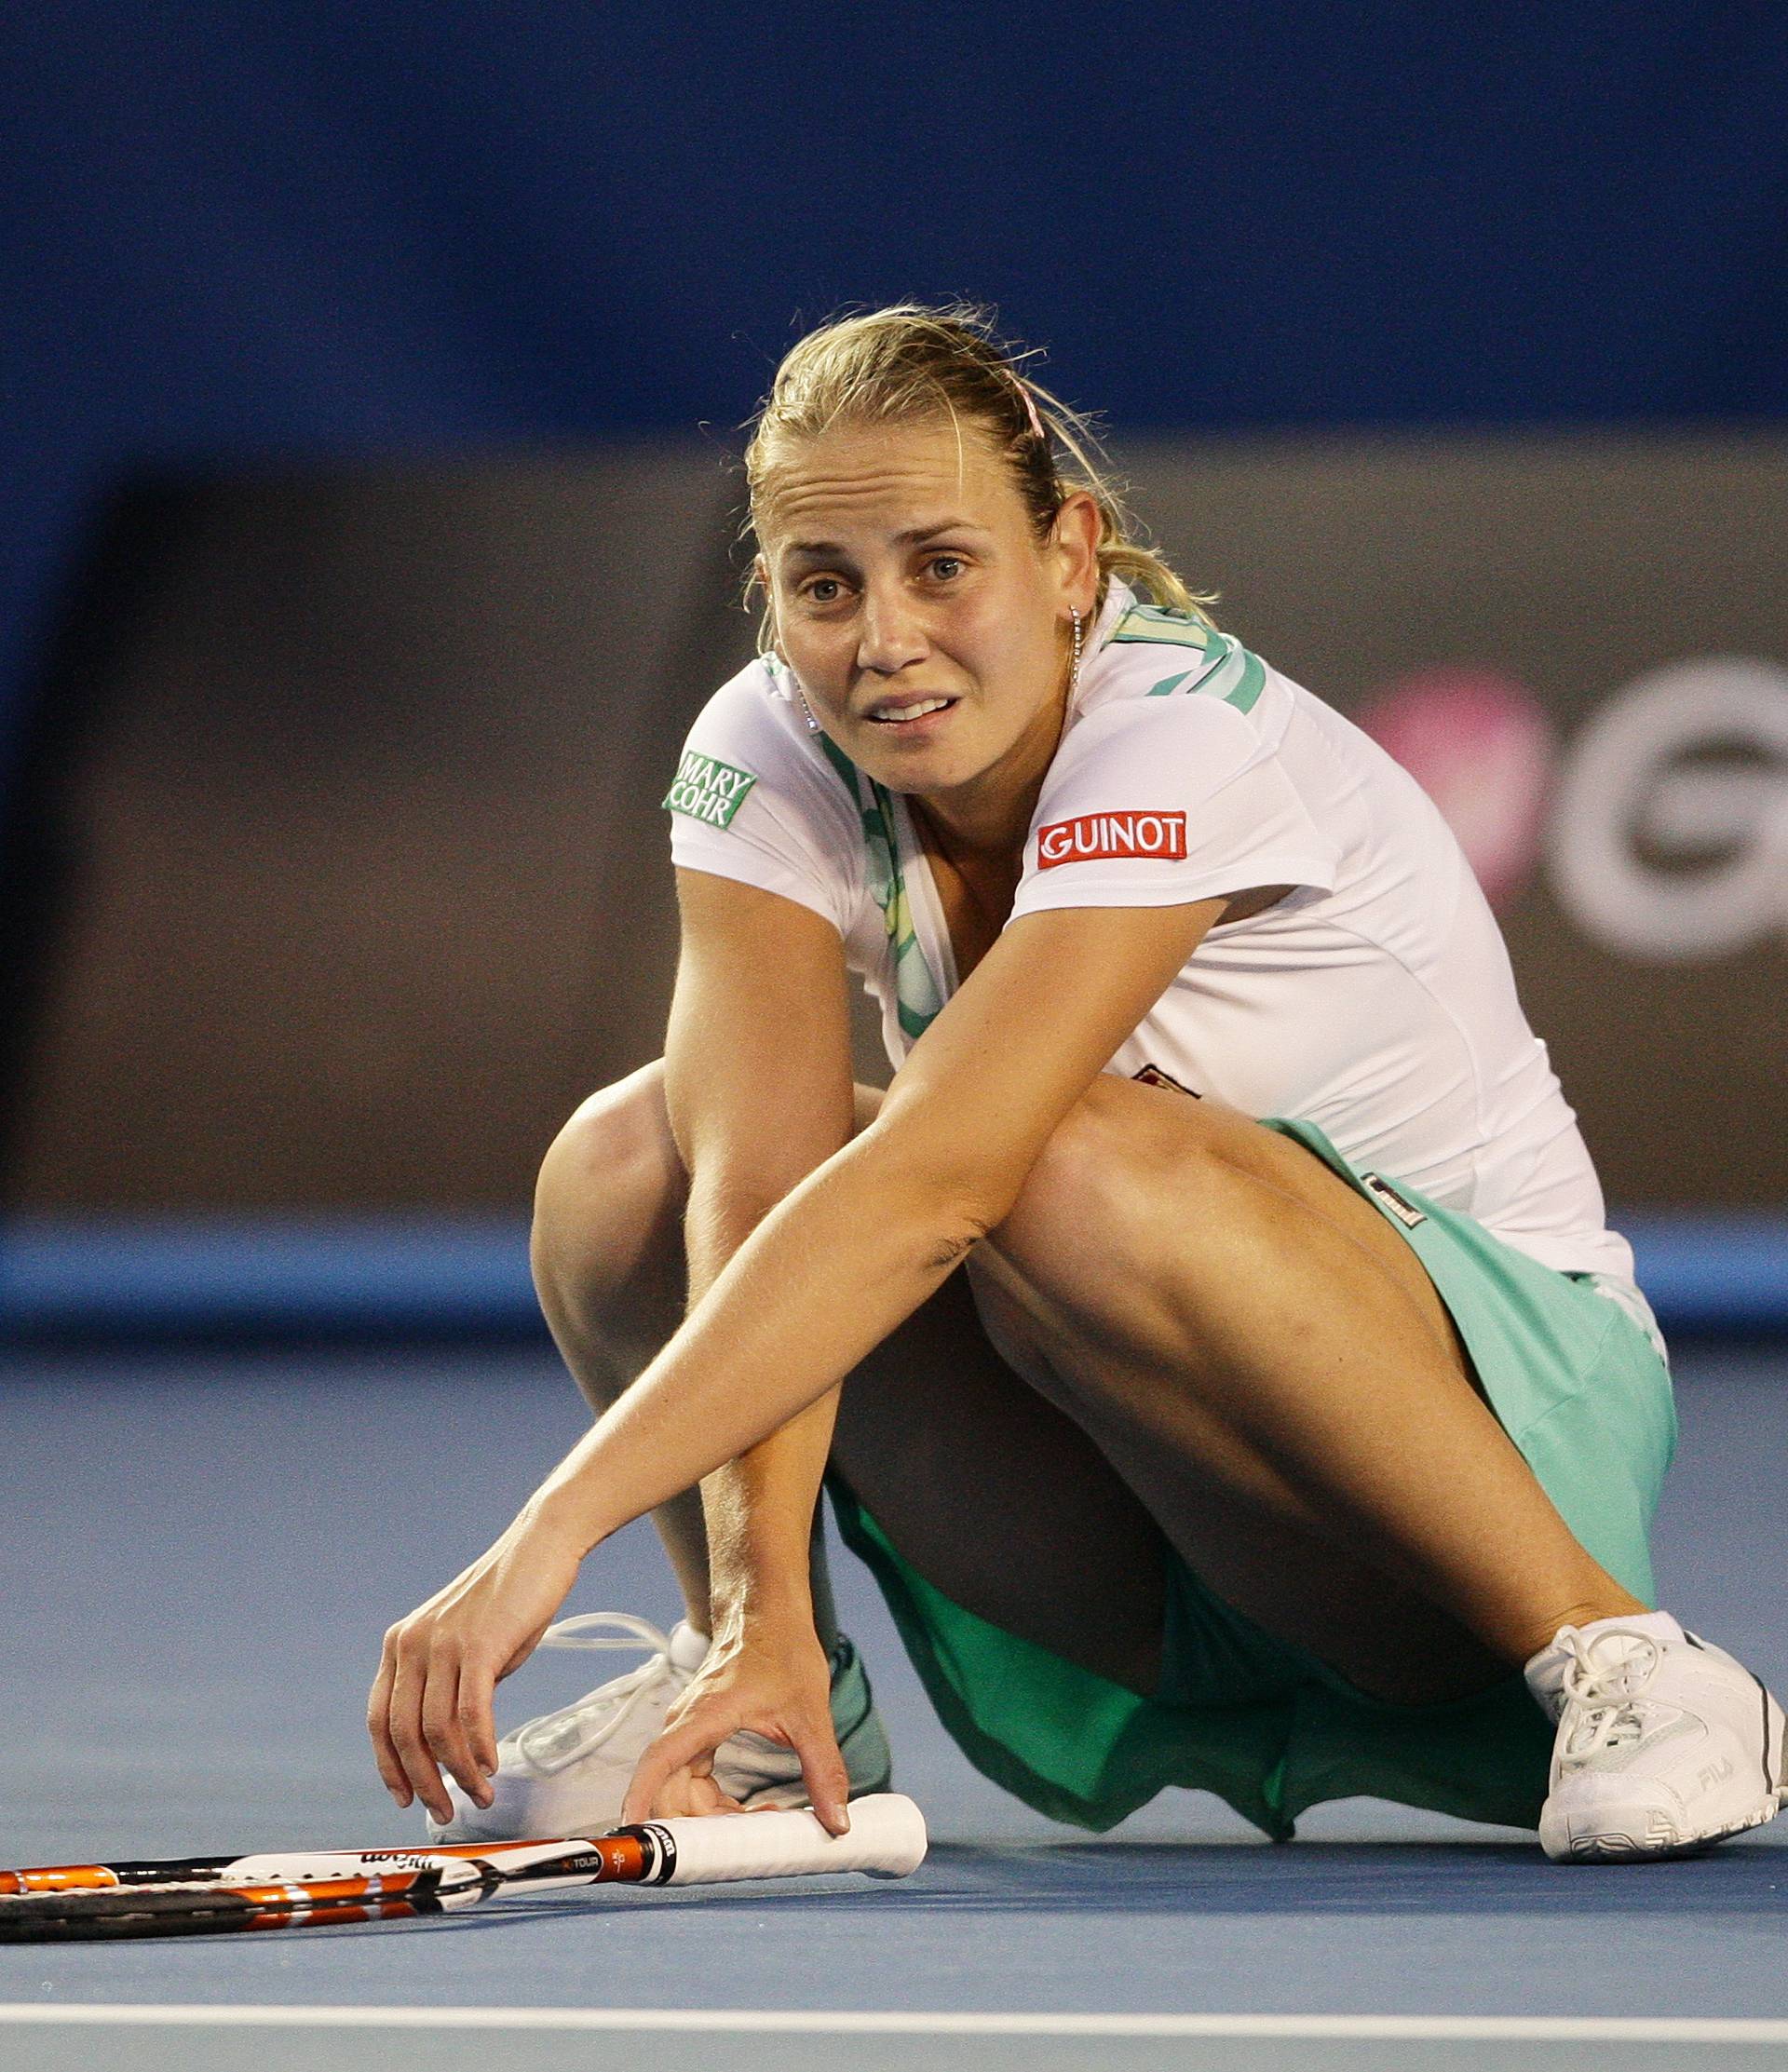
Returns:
(708, 790)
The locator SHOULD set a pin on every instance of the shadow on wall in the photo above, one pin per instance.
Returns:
(364, 883)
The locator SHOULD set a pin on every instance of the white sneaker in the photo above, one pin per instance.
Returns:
(1665, 1745)
(567, 1772)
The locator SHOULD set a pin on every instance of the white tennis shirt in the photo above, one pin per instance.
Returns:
(1375, 1000)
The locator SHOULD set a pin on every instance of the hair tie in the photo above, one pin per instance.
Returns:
(1030, 408)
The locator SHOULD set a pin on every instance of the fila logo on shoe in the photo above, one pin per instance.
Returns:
(1097, 837)
(1716, 1773)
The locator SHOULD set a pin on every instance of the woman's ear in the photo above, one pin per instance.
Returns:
(1077, 527)
(758, 593)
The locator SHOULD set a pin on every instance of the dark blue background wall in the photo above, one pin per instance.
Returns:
(358, 225)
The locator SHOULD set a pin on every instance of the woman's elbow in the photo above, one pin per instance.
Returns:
(949, 1242)
(954, 1199)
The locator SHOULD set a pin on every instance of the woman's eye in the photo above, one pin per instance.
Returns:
(947, 566)
(823, 589)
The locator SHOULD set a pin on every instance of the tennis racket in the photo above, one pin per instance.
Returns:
(64, 1903)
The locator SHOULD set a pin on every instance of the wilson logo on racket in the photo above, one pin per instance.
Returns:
(1097, 837)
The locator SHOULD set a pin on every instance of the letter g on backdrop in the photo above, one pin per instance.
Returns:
(1669, 832)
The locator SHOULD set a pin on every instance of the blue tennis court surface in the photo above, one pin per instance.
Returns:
(206, 1548)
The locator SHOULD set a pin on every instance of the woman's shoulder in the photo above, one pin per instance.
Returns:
(1171, 698)
(1170, 670)
(751, 729)
(753, 798)
(753, 705)
(1172, 779)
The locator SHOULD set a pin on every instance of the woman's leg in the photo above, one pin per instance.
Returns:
(610, 1271)
(997, 1499)
(1249, 1360)
(1267, 1367)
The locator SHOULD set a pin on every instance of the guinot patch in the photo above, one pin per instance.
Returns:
(1099, 837)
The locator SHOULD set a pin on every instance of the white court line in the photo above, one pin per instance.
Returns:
(1525, 2028)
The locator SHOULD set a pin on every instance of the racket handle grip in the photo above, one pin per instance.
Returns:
(887, 1840)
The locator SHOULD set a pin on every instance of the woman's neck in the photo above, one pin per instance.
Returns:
(986, 820)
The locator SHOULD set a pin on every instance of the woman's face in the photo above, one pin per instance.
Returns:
(927, 624)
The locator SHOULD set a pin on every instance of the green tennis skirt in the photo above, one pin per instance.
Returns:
(1575, 1371)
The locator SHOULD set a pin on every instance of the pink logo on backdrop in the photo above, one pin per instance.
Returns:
(1478, 743)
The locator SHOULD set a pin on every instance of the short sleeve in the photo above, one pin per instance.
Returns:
(1163, 802)
(752, 801)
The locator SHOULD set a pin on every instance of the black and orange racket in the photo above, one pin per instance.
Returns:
(76, 1903)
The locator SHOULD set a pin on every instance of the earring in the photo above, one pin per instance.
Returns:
(801, 697)
(1074, 667)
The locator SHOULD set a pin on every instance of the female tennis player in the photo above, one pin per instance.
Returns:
(1211, 1339)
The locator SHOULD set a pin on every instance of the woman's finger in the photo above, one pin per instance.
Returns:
(689, 1794)
(815, 1740)
(430, 1705)
(378, 1725)
(441, 1721)
(409, 1692)
(478, 1720)
(679, 1747)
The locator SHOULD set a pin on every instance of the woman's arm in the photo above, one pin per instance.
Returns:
(849, 1255)
(759, 1085)
(863, 1240)
(758, 1081)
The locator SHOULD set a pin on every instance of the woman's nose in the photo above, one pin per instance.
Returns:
(891, 636)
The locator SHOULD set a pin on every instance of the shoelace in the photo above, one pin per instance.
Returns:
(556, 1739)
(1600, 1693)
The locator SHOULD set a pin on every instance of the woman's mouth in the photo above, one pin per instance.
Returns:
(913, 715)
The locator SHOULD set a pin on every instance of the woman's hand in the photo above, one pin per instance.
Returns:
(773, 1679)
(430, 1703)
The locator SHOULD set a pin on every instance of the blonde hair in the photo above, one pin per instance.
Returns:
(908, 363)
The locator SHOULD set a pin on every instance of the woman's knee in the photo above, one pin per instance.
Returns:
(608, 1186)
(608, 1242)
(1122, 1157)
